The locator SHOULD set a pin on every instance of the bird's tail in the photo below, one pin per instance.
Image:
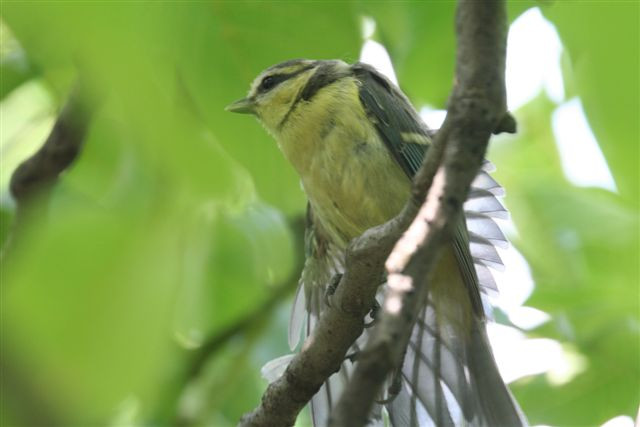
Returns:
(449, 376)
(450, 379)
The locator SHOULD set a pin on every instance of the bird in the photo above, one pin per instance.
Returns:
(356, 141)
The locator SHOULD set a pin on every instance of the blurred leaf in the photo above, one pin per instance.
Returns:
(606, 66)
(236, 370)
(420, 40)
(85, 305)
(230, 262)
(6, 218)
(27, 119)
(214, 49)
(125, 226)
(229, 44)
(583, 249)
(14, 66)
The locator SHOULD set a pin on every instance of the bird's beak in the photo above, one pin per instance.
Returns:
(243, 106)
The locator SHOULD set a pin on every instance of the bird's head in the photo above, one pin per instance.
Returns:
(279, 88)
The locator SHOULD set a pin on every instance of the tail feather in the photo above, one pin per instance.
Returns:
(451, 380)
(497, 403)
(448, 363)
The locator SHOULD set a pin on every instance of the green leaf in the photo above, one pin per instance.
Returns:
(420, 41)
(85, 315)
(228, 44)
(231, 262)
(582, 247)
(603, 41)
(14, 66)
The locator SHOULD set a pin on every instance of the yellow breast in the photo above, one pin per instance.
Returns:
(348, 174)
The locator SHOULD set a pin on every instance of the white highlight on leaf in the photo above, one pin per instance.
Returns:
(619, 421)
(368, 27)
(533, 60)
(582, 160)
(518, 356)
(527, 317)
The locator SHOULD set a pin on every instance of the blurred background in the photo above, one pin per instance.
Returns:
(157, 279)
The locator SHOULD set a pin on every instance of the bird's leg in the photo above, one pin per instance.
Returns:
(373, 313)
(396, 381)
(331, 288)
(396, 385)
(353, 356)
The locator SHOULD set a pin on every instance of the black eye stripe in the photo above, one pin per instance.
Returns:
(273, 80)
(269, 82)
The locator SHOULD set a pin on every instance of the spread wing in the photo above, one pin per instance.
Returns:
(436, 388)
(408, 138)
(323, 261)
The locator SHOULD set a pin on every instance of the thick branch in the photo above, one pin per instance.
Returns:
(35, 177)
(477, 108)
(41, 170)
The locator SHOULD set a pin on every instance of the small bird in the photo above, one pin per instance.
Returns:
(356, 142)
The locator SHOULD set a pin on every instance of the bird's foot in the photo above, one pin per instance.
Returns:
(353, 356)
(331, 288)
(373, 313)
(394, 388)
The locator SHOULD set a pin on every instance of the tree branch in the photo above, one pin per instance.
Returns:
(62, 146)
(35, 176)
(477, 108)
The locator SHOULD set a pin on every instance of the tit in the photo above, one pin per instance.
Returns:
(356, 142)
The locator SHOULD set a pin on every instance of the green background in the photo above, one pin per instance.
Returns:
(180, 222)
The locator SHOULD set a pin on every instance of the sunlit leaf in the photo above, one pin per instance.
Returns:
(582, 246)
(606, 66)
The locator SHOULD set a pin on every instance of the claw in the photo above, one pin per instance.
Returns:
(352, 357)
(389, 399)
(393, 390)
(331, 288)
(373, 314)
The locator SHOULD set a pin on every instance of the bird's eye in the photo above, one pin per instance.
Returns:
(267, 83)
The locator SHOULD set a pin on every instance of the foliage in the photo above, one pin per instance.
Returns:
(175, 223)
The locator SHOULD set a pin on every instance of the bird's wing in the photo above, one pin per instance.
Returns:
(323, 262)
(449, 374)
